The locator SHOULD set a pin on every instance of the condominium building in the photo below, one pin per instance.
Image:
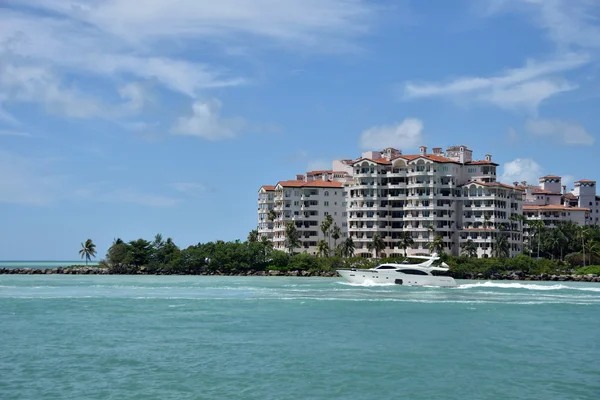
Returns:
(445, 194)
(550, 202)
(306, 201)
(425, 195)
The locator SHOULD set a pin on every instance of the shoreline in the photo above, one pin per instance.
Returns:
(513, 276)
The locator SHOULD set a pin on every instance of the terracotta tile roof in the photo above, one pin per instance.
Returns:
(268, 187)
(570, 196)
(315, 183)
(494, 184)
(431, 157)
(456, 148)
(481, 162)
(546, 192)
(553, 207)
(383, 161)
(585, 181)
(319, 172)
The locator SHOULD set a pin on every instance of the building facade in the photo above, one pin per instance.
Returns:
(305, 201)
(446, 194)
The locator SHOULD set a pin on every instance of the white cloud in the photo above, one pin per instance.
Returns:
(521, 87)
(568, 23)
(521, 169)
(407, 134)
(151, 39)
(4, 132)
(206, 122)
(563, 131)
(567, 180)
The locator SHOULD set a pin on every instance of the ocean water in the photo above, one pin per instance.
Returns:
(167, 337)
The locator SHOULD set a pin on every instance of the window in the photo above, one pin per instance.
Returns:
(335, 213)
(326, 213)
(296, 203)
(344, 214)
(412, 272)
(326, 203)
(326, 193)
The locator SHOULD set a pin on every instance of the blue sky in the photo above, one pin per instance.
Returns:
(127, 118)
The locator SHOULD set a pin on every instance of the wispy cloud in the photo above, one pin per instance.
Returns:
(571, 24)
(521, 169)
(527, 86)
(407, 134)
(206, 122)
(564, 132)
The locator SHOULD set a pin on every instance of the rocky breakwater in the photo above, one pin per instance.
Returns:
(59, 270)
(144, 271)
(518, 276)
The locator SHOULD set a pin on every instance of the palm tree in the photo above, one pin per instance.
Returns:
(347, 247)
(272, 215)
(376, 244)
(322, 248)
(336, 233)
(326, 226)
(88, 250)
(292, 237)
(469, 248)
(431, 230)
(486, 225)
(537, 226)
(437, 245)
(406, 241)
(253, 236)
(502, 247)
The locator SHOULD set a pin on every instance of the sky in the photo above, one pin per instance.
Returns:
(126, 119)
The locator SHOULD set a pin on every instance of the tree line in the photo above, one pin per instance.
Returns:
(560, 249)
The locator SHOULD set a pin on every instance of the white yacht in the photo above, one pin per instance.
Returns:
(421, 274)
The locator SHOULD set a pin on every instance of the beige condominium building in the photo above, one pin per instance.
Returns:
(552, 203)
(445, 194)
(306, 201)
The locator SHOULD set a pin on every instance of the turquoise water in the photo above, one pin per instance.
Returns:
(165, 337)
(43, 264)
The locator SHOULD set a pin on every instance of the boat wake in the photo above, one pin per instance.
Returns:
(527, 286)
(366, 284)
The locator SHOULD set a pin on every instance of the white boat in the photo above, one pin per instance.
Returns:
(421, 274)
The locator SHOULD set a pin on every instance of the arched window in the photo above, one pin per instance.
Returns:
(326, 193)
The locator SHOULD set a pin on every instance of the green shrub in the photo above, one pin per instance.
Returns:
(590, 269)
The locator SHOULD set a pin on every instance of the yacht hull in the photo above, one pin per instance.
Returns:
(365, 276)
